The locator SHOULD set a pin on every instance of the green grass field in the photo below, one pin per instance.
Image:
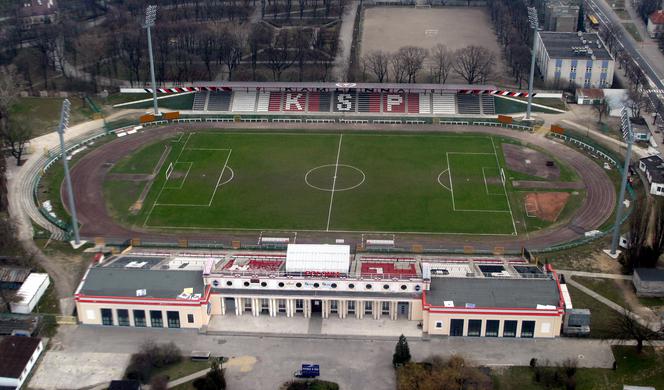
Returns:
(419, 183)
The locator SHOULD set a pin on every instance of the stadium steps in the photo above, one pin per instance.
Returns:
(444, 103)
(324, 101)
(263, 104)
(425, 103)
(244, 101)
(199, 101)
(274, 104)
(219, 101)
(469, 104)
(488, 105)
(363, 102)
(413, 103)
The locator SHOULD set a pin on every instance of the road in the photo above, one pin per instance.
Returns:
(607, 18)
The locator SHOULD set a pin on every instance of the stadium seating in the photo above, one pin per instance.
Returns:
(219, 101)
(344, 101)
(444, 104)
(394, 103)
(263, 103)
(199, 101)
(413, 103)
(295, 101)
(488, 105)
(469, 104)
(424, 102)
(368, 102)
(244, 101)
(275, 102)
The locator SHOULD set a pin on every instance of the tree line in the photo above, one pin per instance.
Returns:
(475, 64)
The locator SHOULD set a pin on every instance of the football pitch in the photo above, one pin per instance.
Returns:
(392, 183)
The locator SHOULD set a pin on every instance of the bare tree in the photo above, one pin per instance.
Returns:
(625, 327)
(231, 44)
(474, 63)
(259, 35)
(398, 63)
(442, 61)
(278, 56)
(413, 59)
(15, 136)
(636, 101)
(378, 62)
(601, 107)
(11, 84)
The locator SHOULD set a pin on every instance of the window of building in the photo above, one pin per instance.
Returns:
(156, 319)
(333, 306)
(351, 286)
(190, 318)
(509, 329)
(123, 317)
(368, 286)
(386, 287)
(265, 305)
(385, 307)
(572, 69)
(492, 328)
(351, 306)
(247, 304)
(456, 327)
(139, 318)
(173, 318)
(229, 283)
(527, 329)
(368, 307)
(475, 328)
(107, 317)
(439, 324)
(299, 305)
(281, 303)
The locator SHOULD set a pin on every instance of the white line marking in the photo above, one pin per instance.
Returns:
(507, 198)
(218, 149)
(156, 200)
(440, 182)
(183, 179)
(334, 183)
(216, 186)
(449, 170)
(486, 185)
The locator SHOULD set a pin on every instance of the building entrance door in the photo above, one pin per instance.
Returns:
(316, 306)
(402, 309)
(230, 306)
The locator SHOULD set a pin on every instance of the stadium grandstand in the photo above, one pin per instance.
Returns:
(316, 98)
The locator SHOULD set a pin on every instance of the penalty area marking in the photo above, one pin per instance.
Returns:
(441, 183)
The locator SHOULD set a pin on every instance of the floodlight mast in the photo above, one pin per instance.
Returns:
(534, 24)
(64, 124)
(150, 17)
(628, 135)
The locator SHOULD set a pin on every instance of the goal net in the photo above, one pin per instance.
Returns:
(169, 171)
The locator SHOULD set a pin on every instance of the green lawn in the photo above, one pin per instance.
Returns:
(183, 368)
(393, 183)
(143, 161)
(607, 288)
(601, 316)
(632, 30)
(43, 114)
(646, 369)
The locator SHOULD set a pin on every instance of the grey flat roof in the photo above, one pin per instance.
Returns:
(490, 292)
(650, 274)
(121, 282)
(560, 45)
(316, 293)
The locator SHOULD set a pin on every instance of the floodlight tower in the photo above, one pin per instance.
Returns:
(64, 124)
(150, 17)
(534, 24)
(628, 135)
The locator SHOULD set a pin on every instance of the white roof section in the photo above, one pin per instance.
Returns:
(30, 292)
(318, 258)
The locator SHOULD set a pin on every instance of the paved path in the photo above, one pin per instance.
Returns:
(358, 363)
(594, 274)
(346, 38)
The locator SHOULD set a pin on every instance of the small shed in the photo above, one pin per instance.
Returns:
(30, 293)
(649, 282)
(318, 258)
(589, 96)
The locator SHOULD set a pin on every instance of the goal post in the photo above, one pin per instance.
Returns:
(502, 175)
(169, 171)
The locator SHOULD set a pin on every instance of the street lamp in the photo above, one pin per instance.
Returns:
(150, 16)
(64, 124)
(534, 24)
(628, 135)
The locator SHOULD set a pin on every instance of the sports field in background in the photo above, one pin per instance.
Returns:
(420, 183)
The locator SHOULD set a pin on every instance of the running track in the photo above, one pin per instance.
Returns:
(89, 173)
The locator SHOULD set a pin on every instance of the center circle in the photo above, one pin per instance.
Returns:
(323, 177)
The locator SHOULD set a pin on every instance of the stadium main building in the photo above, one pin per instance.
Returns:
(448, 295)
